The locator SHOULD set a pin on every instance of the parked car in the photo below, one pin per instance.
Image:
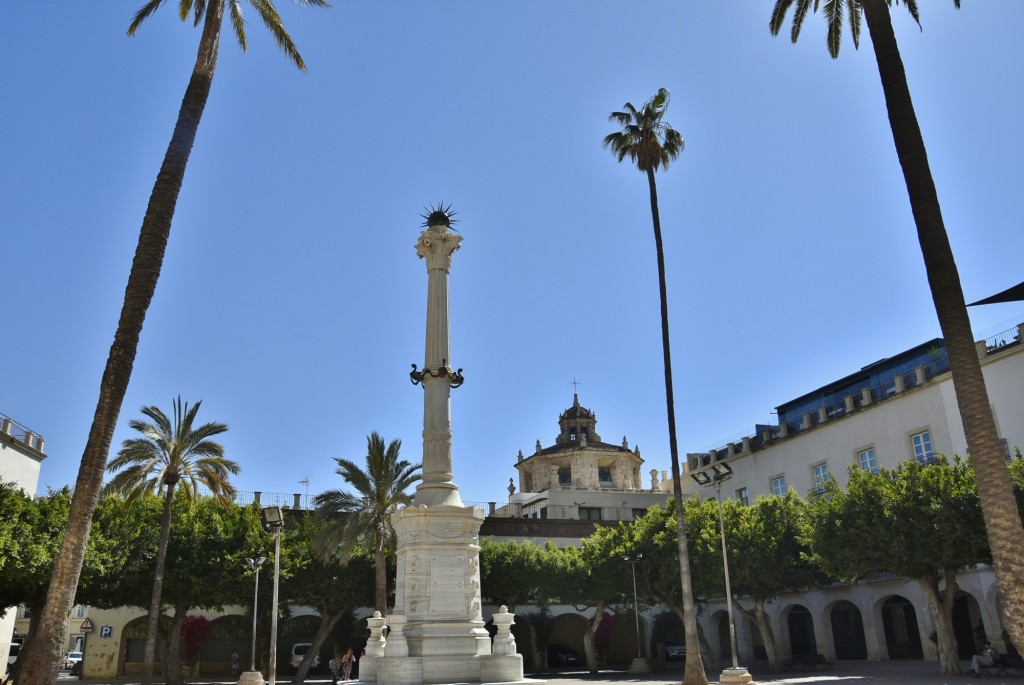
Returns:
(675, 651)
(299, 650)
(560, 655)
(70, 659)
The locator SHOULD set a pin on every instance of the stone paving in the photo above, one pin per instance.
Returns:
(841, 673)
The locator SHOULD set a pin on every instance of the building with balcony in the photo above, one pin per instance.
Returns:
(896, 409)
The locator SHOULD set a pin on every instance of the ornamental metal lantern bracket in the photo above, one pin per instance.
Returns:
(455, 378)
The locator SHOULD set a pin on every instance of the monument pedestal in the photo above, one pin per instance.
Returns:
(251, 678)
(736, 676)
(437, 631)
(639, 665)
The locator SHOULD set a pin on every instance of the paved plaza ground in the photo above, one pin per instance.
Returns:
(841, 673)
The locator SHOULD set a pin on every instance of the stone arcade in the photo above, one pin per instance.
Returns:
(437, 631)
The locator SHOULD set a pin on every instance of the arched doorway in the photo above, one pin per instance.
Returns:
(968, 626)
(724, 641)
(902, 637)
(801, 631)
(565, 638)
(523, 634)
(621, 644)
(848, 631)
(134, 645)
(227, 634)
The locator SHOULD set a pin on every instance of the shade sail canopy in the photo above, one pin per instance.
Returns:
(1014, 294)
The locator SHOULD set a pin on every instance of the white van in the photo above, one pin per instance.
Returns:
(299, 650)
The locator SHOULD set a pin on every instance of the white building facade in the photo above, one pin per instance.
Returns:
(900, 408)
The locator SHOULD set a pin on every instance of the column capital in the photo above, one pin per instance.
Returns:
(437, 245)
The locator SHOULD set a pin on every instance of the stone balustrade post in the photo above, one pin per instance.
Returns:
(504, 642)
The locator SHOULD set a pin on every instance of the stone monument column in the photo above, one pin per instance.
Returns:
(436, 246)
(437, 626)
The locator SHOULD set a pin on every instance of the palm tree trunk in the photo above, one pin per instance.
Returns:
(694, 671)
(153, 622)
(381, 577)
(1002, 518)
(41, 666)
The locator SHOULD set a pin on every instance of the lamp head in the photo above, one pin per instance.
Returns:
(255, 562)
(273, 519)
(722, 470)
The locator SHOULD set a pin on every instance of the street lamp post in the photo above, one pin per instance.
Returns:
(719, 474)
(273, 522)
(255, 563)
(633, 559)
(639, 664)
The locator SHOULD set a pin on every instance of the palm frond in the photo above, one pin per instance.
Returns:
(272, 20)
(853, 11)
(364, 516)
(778, 17)
(799, 14)
(170, 452)
(143, 14)
(912, 8)
(648, 141)
(834, 12)
(238, 23)
(200, 10)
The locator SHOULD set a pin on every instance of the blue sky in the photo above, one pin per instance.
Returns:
(292, 302)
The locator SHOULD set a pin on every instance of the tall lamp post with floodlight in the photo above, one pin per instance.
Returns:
(273, 522)
(718, 475)
(639, 664)
(254, 563)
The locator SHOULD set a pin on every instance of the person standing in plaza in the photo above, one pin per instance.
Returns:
(346, 664)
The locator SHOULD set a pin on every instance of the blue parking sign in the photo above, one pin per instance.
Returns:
(106, 631)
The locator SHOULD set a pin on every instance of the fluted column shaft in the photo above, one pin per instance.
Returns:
(437, 245)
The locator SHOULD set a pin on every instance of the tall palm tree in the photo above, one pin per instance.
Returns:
(650, 144)
(170, 455)
(41, 662)
(365, 516)
(1002, 518)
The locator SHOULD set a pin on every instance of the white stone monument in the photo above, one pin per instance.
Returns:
(438, 633)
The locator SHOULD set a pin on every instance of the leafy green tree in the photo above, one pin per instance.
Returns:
(1002, 516)
(597, 577)
(29, 541)
(509, 572)
(651, 143)
(145, 272)
(933, 527)
(334, 588)
(364, 517)
(127, 534)
(655, 535)
(769, 554)
(205, 560)
(170, 454)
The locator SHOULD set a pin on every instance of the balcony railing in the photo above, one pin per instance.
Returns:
(21, 433)
(1006, 338)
